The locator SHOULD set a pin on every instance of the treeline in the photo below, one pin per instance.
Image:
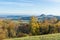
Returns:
(11, 29)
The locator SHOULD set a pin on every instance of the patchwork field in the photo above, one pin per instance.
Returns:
(41, 37)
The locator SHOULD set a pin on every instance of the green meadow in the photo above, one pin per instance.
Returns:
(41, 37)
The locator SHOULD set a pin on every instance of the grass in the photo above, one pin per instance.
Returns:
(41, 37)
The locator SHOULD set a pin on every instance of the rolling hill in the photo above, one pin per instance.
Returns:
(41, 37)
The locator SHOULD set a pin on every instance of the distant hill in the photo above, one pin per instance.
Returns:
(27, 17)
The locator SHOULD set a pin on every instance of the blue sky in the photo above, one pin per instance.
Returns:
(29, 7)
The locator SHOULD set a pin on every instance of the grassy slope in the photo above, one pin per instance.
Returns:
(41, 37)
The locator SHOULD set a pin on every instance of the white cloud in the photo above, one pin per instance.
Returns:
(51, 11)
(26, 1)
(53, 0)
(17, 4)
(31, 12)
(21, 12)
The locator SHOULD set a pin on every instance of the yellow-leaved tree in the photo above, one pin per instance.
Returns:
(34, 25)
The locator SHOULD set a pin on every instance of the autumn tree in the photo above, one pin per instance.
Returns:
(12, 29)
(34, 25)
(57, 25)
(3, 29)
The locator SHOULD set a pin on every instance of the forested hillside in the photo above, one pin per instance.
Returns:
(15, 29)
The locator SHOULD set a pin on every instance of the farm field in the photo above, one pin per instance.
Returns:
(41, 37)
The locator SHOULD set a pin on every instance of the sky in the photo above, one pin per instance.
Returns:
(29, 7)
